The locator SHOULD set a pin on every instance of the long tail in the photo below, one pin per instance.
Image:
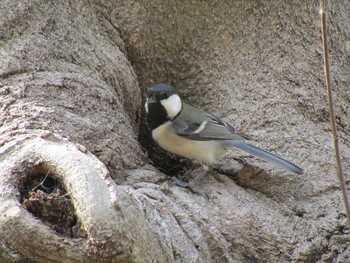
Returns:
(240, 144)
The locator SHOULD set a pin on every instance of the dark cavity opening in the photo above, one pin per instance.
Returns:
(45, 196)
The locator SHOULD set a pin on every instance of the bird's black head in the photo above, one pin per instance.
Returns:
(163, 104)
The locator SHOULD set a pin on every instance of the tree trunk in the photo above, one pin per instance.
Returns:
(82, 181)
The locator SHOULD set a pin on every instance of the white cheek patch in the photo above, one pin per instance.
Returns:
(146, 107)
(172, 105)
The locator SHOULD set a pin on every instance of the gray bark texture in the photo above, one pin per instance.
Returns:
(73, 77)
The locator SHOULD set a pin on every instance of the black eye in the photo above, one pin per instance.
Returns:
(162, 96)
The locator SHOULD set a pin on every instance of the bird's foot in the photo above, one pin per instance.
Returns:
(191, 184)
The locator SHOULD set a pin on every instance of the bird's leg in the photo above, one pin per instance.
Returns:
(201, 175)
(192, 184)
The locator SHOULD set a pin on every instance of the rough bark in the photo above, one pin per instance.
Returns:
(72, 79)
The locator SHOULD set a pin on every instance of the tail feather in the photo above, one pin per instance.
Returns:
(267, 156)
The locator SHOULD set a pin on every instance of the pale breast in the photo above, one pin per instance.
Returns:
(203, 151)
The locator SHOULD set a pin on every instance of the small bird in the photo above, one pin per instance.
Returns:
(190, 132)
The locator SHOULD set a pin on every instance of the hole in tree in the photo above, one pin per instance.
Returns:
(45, 196)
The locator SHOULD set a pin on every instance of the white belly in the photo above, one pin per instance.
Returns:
(205, 152)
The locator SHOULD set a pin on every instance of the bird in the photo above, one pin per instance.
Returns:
(195, 134)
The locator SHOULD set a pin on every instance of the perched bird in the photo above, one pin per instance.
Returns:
(190, 132)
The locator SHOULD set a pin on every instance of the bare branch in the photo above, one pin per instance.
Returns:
(331, 110)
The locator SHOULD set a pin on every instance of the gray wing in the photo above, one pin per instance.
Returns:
(198, 125)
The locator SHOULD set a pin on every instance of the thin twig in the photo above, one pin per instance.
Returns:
(41, 183)
(331, 110)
